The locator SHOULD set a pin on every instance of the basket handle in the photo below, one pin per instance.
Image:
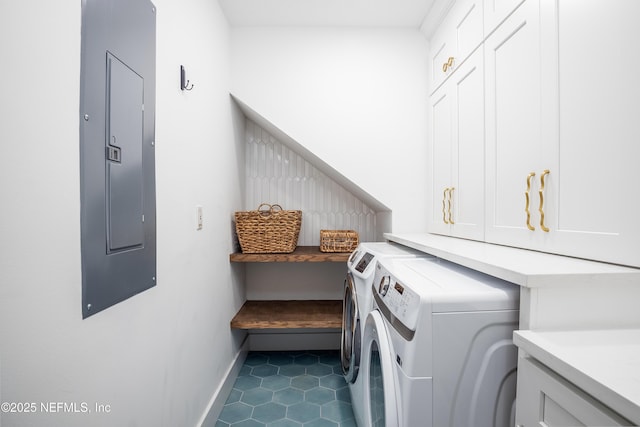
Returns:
(267, 212)
(264, 212)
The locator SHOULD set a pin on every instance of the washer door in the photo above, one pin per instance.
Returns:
(351, 340)
(382, 407)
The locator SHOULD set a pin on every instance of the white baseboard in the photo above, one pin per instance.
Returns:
(219, 398)
(267, 340)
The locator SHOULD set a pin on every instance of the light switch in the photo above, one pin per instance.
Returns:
(198, 217)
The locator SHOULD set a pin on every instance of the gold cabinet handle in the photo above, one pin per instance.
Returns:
(444, 205)
(526, 197)
(450, 201)
(541, 193)
(448, 64)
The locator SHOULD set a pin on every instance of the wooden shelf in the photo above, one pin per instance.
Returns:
(301, 254)
(321, 314)
(289, 314)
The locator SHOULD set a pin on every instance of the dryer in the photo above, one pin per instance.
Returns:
(438, 349)
(357, 302)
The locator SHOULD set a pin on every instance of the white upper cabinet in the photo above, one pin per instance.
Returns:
(496, 11)
(440, 155)
(561, 129)
(456, 151)
(514, 130)
(596, 96)
(460, 33)
(572, 111)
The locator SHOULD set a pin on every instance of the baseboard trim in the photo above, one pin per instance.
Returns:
(219, 398)
(266, 340)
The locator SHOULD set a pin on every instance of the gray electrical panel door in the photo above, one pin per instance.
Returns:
(125, 100)
(117, 159)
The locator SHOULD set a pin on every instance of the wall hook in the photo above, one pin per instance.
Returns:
(184, 83)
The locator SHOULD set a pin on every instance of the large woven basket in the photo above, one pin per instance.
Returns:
(338, 240)
(269, 229)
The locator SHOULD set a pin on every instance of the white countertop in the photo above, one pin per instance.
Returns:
(520, 266)
(604, 363)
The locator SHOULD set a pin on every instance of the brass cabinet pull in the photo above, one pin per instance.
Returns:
(447, 215)
(526, 196)
(541, 193)
(450, 199)
(448, 64)
(444, 205)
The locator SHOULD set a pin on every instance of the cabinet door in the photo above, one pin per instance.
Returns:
(553, 105)
(440, 152)
(460, 33)
(457, 152)
(496, 11)
(546, 399)
(596, 94)
(441, 48)
(514, 127)
(467, 167)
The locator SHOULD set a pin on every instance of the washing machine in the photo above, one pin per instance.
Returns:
(357, 302)
(437, 347)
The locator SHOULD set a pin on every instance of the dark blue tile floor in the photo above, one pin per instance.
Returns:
(289, 389)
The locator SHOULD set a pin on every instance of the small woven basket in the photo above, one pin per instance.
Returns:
(338, 240)
(265, 231)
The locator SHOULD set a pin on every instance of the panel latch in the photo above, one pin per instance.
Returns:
(114, 154)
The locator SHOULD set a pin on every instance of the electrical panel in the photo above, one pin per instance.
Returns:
(117, 158)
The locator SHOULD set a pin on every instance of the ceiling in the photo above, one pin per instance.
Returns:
(352, 13)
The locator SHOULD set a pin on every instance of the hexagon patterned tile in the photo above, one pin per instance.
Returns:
(289, 389)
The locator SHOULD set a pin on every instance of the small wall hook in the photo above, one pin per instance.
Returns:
(184, 83)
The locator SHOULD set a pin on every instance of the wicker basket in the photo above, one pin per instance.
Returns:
(271, 230)
(338, 240)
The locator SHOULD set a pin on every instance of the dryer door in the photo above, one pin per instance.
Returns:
(351, 342)
(383, 405)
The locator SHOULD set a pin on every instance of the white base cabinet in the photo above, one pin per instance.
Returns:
(545, 399)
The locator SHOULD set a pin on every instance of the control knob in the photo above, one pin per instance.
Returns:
(384, 285)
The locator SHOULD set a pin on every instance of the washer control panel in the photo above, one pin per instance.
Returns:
(364, 262)
(402, 302)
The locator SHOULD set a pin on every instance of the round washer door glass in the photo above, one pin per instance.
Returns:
(350, 342)
(376, 388)
(378, 365)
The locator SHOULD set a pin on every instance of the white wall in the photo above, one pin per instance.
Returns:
(356, 98)
(157, 358)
